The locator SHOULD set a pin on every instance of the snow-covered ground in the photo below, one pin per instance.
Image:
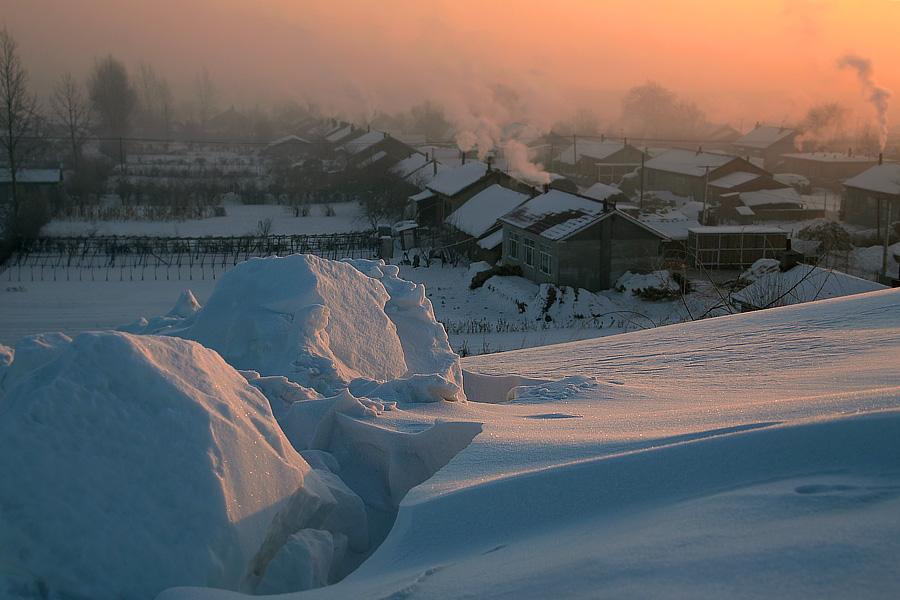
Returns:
(303, 424)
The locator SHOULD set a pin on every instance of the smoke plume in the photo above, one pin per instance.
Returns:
(879, 97)
(520, 159)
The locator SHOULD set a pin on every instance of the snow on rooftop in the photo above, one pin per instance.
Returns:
(340, 133)
(674, 224)
(590, 149)
(492, 240)
(555, 214)
(766, 197)
(450, 183)
(482, 210)
(600, 191)
(733, 180)
(688, 162)
(288, 139)
(801, 283)
(883, 178)
(363, 142)
(830, 157)
(407, 166)
(764, 136)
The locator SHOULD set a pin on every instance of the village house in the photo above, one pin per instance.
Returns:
(289, 147)
(374, 148)
(688, 173)
(449, 190)
(826, 169)
(567, 240)
(474, 224)
(768, 144)
(785, 204)
(31, 184)
(872, 198)
(605, 161)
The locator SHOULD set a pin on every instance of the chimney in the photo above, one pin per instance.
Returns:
(605, 206)
(546, 188)
(602, 137)
(788, 258)
(434, 162)
(463, 156)
(880, 157)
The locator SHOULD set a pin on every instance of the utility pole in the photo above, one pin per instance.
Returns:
(641, 204)
(575, 155)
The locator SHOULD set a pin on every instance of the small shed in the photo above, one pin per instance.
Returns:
(733, 247)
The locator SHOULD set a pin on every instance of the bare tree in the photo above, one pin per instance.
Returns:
(165, 101)
(651, 110)
(825, 119)
(114, 99)
(429, 118)
(72, 109)
(147, 102)
(19, 115)
(206, 96)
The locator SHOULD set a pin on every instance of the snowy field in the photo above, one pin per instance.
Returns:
(301, 422)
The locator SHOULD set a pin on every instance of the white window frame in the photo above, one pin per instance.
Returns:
(528, 259)
(512, 245)
(546, 265)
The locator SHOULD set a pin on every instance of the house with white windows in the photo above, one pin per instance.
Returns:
(568, 240)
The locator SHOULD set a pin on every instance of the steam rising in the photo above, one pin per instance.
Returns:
(521, 162)
(878, 96)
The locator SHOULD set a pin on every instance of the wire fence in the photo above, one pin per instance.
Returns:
(140, 258)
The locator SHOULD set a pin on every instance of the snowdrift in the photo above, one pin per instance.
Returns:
(322, 324)
(131, 464)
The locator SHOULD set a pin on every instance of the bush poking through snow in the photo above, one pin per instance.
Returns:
(503, 271)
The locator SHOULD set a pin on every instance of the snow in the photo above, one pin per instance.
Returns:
(481, 211)
(450, 183)
(556, 213)
(31, 176)
(883, 178)
(801, 283)
(749, 455)
(764, 136)
(240, 220)
(600, 192)
(591, 149)
(734, 179)
(688, 162)
(766, 197)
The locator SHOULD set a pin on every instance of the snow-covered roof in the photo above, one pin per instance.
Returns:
(765, 197)
(764, 136)
(453, 182)
(688, 162)
(884, 178)
(801, 283)
(829, 157)
(590, 149)
(31, 176)
(366, 140)
(482, 210)
(425, 195)
(340, 134)
(422, 176)
(491, 241)
(292, 139)
(674, 225)
(556, 215)
(600, 191)
(733, 180)
(372, 159)
(791, 179)
(407, 166)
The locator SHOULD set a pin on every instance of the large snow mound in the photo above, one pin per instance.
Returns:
(129, 464)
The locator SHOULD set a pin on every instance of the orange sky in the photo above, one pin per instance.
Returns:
(740, 60)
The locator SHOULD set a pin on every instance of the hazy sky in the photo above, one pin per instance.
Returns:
(740, 60)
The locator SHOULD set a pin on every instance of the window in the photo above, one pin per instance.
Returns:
(545, 259)
(529, 252)
(512, 245)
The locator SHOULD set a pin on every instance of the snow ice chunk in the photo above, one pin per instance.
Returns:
(130, 464)
(186, 305)
(317, 322)
(34, 351)
(349, 515)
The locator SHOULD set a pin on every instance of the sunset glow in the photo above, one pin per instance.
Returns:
(741, 62)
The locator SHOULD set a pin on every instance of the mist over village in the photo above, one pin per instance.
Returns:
(449, 299)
